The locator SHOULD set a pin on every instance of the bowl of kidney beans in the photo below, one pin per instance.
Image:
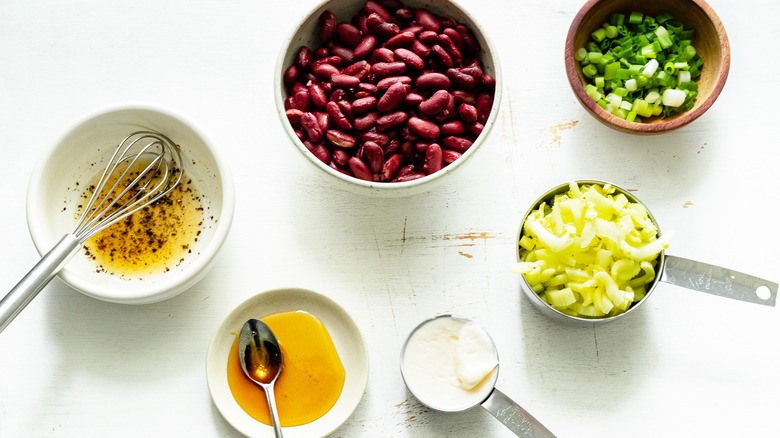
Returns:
(388, 96)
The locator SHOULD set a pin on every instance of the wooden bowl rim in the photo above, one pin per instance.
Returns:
(622, 125)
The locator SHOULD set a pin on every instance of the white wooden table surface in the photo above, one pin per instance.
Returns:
(686, 364)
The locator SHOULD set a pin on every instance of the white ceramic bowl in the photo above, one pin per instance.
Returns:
(81, 153)
(347, 338)
(305, 35)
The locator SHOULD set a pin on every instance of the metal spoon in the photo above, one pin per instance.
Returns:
(261, 360)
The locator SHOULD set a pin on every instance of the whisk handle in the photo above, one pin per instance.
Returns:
(35, 280)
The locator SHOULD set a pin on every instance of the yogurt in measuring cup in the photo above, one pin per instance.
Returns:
(449, 363)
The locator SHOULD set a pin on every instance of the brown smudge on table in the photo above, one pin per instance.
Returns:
(557, 129)
(468, 236)
(468, 256)
(687, 204)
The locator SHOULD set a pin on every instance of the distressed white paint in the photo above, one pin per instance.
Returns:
(686, 365)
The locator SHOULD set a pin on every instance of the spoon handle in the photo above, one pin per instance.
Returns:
(269, 394)
(35, 280)
(514, 417)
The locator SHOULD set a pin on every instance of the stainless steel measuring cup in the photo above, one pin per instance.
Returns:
(679, 271)
(512, 415)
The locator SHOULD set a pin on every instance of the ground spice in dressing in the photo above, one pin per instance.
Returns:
(152, 240)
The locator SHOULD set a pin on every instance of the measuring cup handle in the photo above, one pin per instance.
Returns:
(514, 417)
(718, 281)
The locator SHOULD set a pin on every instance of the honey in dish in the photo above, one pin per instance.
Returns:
(312, 375)
(152, 240)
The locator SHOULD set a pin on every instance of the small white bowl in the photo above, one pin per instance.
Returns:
(305, 35)
(81, 154)
(349, 342)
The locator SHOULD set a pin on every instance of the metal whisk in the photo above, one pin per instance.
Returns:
(151, 163)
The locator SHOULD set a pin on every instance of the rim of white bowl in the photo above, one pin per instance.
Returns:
(144, 294)
(396, 188)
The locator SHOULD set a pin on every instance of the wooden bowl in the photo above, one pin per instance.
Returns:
(710, 41)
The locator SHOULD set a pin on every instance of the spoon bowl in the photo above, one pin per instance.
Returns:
(261, 360)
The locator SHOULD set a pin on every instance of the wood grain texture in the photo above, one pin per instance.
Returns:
(710, 40)
(686, 364)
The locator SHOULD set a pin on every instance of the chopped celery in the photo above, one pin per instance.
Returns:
(590, 252)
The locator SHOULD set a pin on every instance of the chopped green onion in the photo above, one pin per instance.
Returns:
(632, 60)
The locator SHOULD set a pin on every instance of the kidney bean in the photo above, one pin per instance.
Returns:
(338, 168)
(427, 37)
(448, 156)
(470, 44)
(487, 83)
(483, 104)
(382, 54)
(380, 27)
(476, 128)
(366, 46)
(300, 134)
(435, 103)
(337, 117)
(455, 37)
(467, 113)
(375, 8)
(305, 78)
(458, 144)
(366, 122)
(373, 156)
(448, 112)
(413, 29)
(390, 5)
(309, 145)
(464, 96)
(340, 139)
(391, 120)
(338, 95)
(369, 89)
(322, 52)
(423, 128)
(312, 127)
(461, 80)
(433, 159)
(322, 153)
(453, 128)
(446, 43)
(380, 139)
(333, 60)
(393, 146)
(344, 81)
(409, 177)
(403, 39)
(294, 116)
(340, 157)
(441, 57)
(349, 35)
(427, 20)
(325, 71)
(346, 109)
(421, 49)
(363, 105)
(385, 83)
(298, 87)
(290, 76)
(421, 146)
(391, 167)
(407, 134)
(406, 170)
(388, 68)
(359, 169)
(411, 59)
(393, 97)
(323, 120)
(404, 14)
(288, 103)
(413, 100)
(432, 81)
(301, 100)
(327, 26)
(303, 58)
(344, 53)
(317, 95)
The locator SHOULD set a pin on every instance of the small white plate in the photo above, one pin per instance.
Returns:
(346, 336)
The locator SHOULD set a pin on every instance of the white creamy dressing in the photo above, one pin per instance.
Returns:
(449, 364)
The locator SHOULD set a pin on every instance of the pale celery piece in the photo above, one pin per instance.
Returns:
(592, 253)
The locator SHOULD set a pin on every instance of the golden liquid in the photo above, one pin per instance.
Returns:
(312, 375)
(152, 240)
